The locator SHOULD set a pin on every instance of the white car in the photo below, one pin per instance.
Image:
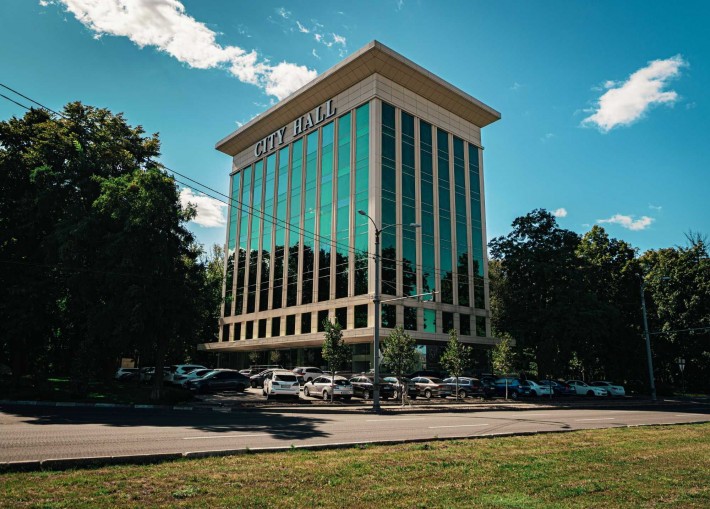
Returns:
(322, 386)
(539, 390)
(584, 389)
(612, 390)
(126, 373)
(282, 383)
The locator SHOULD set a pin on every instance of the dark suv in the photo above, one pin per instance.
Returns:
(363, 386)
(470, 387)
(219, 380)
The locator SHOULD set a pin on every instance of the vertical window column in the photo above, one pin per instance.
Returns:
(231, 243)
(244, 223)
(461, 255)
(268, 226)
(342, 229)
(295, 223)
(280, 228)
(326, 212)
(388, 238)
(309, 221)
(362, 182)
(445, 254)
(257, 206)
(409, 214)
(476, 228)
(427, 207)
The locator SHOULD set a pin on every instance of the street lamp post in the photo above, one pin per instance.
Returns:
(376, 300)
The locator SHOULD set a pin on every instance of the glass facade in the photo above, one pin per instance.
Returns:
(295, 237)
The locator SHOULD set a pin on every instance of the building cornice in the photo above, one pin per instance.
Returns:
(374, 58)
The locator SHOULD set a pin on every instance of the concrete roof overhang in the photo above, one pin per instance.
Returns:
(374, 58)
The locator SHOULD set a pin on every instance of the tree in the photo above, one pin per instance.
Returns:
(455, 358)
(399, 355)
(537, 289)
(503, 357)
(335, 352)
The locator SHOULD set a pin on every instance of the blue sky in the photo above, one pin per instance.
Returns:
(605, 103)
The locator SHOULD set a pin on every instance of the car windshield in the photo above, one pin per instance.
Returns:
(285, 378)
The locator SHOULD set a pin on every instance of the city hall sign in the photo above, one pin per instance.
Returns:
(300, 125)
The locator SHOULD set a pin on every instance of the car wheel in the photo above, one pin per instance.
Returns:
(395, 395)
(513, 395)
(590, 393)
(365, 394)
(325, 395)
(306, 392)
(533, 394)
(462, 394)
(427, 394)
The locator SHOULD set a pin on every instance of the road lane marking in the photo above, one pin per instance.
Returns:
(597, 419)
(690, 415)
(226, 436)
(458, 426)
(535, 415)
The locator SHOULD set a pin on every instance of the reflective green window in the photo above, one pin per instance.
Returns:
(231, 243)
(268, 226)
(429, 320)
(408, 193)
(410, 318)
(309, 221)
(257, 206)
(306, 323)
(244, 205)
(465, 324)
(444, 188)
(361, 316)
(389, 316)
(481, 326)
(341, 317)
(280, 228)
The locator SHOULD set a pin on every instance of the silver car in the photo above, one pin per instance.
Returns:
(325, 386)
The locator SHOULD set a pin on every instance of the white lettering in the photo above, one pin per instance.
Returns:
(280, 134)
(298, 126)
(309, 121)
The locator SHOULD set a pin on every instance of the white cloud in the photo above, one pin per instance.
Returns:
(624, 103)
(561, 212)
(629, 222)
(165, 25)
(283, 13)
(210, 212)
(515, 86)
(657, 208)
(548, 136)
(315, 54)
(301, 28)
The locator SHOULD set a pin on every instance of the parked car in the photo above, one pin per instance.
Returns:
(257, 381)
(470, 387)
(258, 368)
(193, 375)
(178, 371)
(559, 388)
(219, 380)
(612, 390)
(411, 387)
(125, 374)
(428, 373)
(539, 390)
(323, 385)
(584, 389)
(308, 372)
(516, 387)
(363, 387)
(146, 374)
(429, 386)
(282, 383)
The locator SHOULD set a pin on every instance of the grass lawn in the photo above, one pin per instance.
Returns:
(665, 466)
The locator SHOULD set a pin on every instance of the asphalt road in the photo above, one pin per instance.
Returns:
(35, 433)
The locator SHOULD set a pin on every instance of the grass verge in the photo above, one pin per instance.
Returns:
(666, 466)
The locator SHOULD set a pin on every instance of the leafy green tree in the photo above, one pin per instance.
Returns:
(456, 358)
(503, 357)
(399, 356)
(335, 352)
(538, 291)
(678, 301)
